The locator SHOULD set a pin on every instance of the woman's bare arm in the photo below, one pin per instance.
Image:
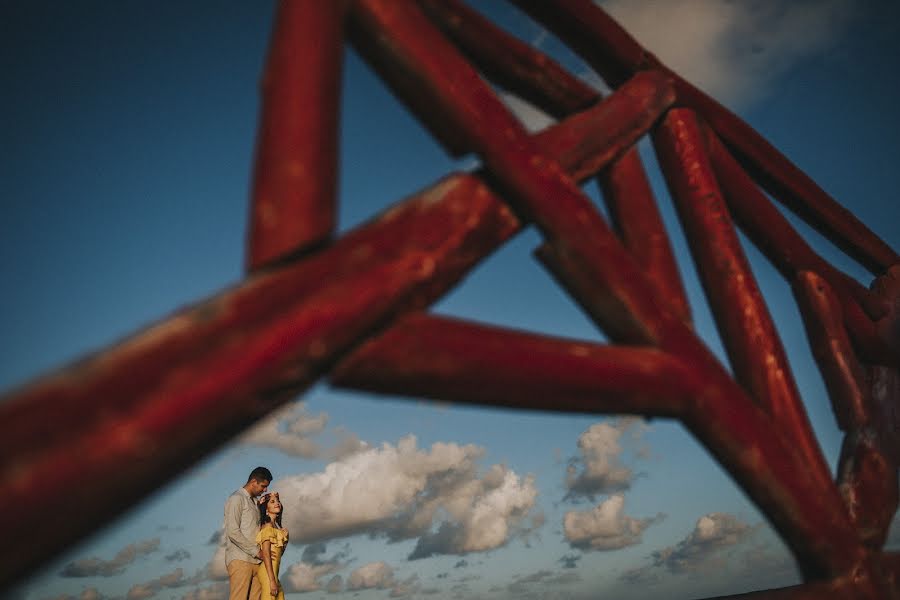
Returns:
(266, 551)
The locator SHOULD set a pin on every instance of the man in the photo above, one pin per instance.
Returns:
(241, 524)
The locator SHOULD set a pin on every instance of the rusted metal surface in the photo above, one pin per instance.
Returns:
(295, 177)
(756, 354)
(452, 360)
(635, 217)
(509, 62)
(789, 253)
(351, 310)
(867, 475)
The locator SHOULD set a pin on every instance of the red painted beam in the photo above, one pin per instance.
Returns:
(635, 217)
(509, 62)
(293, 198)
(751, 340)
(457, 361)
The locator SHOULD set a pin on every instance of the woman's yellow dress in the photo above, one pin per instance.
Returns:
(278, 539)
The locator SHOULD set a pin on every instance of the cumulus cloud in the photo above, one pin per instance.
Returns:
(96, 567)
(703, 547)
(605, 527)
(290, 430)
(399, 492)
(599, 469)
(335, 585)
(408, 587)
(570, 561)
(175, 579)
(304, 577)
(178, 555)
(734, 51)
(215, 568)
(217, 591)
(372, 575)
(90, 593)
(527, 584)
(712, 533)
(215, 538)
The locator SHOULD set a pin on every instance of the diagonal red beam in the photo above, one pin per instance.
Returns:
(867, 475)
(771, 232)
(509, 62)
(616, 56)
(754, 349)
(293, 195)
(844, 376)
(636, 219)
(457, 361)
(811, 519)
(527, 72)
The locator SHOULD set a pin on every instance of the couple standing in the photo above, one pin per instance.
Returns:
(254, 539)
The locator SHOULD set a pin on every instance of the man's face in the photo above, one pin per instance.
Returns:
(258, 487)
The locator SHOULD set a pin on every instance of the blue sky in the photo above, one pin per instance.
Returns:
(129, 132)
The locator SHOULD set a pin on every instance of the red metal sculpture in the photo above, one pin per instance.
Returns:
(350, 309)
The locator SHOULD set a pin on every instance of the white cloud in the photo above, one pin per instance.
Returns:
(93, 567)
(289, 429)
(532, 118)
(90, 593)
(400, 491)
(702, 548)
(215, 568)
(712, 533)
(734, 51)
(602, 471)
(534, 583)
(372, 575)
(605, 527)
(217, 591)
(304, 577)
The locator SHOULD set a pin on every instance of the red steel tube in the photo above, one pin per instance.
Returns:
(293, 195)
(867, 476)
(636, 219)
(457, 361)
(771, 232)
(747, 330)
(616, 56)
(844, 376)
(509, 62)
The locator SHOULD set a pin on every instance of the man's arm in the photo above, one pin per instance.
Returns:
(233, 527)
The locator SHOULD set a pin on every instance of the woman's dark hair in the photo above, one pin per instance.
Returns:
(263, 517)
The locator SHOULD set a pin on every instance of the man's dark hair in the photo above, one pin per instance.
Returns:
(260, 474)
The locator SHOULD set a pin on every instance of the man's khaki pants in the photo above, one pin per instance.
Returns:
(243, 581)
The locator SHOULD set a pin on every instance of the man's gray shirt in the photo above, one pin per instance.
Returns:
(241, 525)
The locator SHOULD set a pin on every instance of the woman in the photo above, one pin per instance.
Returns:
(272, 538)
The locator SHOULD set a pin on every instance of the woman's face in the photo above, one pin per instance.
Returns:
(273, 504)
